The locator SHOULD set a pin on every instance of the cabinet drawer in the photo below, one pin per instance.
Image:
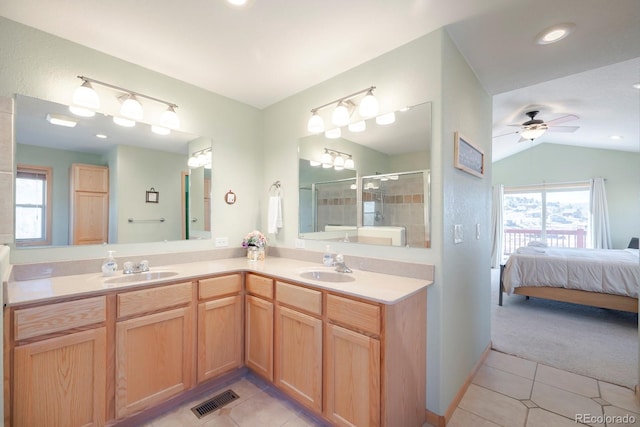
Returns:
(36, 321)
(359, 315)
(217, 286)
(299, 297)
(138, 302)
(261, 286)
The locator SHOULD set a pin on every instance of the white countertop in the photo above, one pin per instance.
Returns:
(383, 288)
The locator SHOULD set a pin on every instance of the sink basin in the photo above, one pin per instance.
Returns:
(327, 276)
(141, 277)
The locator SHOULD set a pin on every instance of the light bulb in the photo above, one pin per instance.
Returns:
(160, 130)
(333, 133)
(315, 124)
(85, 96)
(192, 162)
(368, 106)
(338, 163)
(326, 159)
(340, 115)
(81, 111)
(121, 121)
(349, 163)
(131, 108)
(533, 133)
(357, 126)
(170, 119)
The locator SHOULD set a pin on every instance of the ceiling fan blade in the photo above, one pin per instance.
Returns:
(562, 119)
(523, 139)
(563, 128)
(505, 134)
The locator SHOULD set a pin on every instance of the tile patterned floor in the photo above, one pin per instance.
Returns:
(506, 391)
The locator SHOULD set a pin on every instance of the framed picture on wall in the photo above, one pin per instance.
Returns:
(152, 196)
(467, 156)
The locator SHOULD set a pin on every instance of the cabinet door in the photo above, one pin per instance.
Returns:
(298, 356)
(90, 218)
(153, 359)
(61, 381)
(259, 336)
(219, 336)
(90, 178)
(352, 378)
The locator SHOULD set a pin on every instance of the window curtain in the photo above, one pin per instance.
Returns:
(600, 234)
(496, 226)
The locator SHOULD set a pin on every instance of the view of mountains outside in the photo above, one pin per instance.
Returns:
(566, 219)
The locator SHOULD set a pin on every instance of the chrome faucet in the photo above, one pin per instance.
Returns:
(131, 268)
(341, 267)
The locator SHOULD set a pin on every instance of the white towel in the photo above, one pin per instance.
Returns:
(274, 217)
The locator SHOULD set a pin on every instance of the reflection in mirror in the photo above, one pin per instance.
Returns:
(110, 180)
(389, 204)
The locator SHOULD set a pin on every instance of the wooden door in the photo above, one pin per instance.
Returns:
(259, 336)
(153, 359)
(298, 356)
(61, 381)
(352, 380)
(91, 218)
(219, 336)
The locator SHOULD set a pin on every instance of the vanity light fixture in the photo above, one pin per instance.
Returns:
(122, 121)
(334, 159)
(360, 126)
(200, 158)
(344, 109)
(86, 101)
(60, 120)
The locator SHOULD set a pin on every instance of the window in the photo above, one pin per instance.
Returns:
(33, 205)
(556, 214)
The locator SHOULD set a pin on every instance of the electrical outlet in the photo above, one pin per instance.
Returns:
(222, 242)
(300, 244)
(477, 231)
(457, 233)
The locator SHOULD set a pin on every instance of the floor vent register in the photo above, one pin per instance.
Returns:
(215, 403)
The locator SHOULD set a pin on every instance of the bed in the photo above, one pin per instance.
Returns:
(606, 278)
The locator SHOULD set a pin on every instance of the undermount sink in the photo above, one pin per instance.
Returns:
(141, 277)
(327, 276)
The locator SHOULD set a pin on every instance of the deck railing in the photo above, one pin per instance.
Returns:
(516, 237)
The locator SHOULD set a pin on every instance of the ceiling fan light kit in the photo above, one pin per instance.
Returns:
(535, 128)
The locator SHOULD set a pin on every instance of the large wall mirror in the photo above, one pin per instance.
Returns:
(381, 195)
(151, 192)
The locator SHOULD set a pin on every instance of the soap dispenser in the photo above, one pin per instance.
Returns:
(327, 258)
(109, 266)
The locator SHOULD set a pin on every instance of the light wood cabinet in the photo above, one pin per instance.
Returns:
(298, 356)
(352, 377)
(89, 210)
(154, 352)
(59, 364)
(258, 337)
(220, 326)
(61, 381)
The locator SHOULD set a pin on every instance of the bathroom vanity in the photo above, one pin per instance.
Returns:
(89, 350)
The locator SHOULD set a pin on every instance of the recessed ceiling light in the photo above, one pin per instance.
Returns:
(555, 33)
(636, 86)
(239, 3)
(101, 136)
(615, 137)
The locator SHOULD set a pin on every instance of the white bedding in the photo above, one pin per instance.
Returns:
(612, 271)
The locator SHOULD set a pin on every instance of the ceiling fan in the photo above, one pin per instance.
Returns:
(534, 128)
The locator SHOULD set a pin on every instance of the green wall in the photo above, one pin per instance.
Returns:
(562, 163)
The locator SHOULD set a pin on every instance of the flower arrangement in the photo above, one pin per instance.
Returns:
(254, 238)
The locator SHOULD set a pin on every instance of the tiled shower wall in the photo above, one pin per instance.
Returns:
(402, 205)
(6, 170)
(336, 204)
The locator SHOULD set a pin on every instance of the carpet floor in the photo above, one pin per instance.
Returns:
(595, 342)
